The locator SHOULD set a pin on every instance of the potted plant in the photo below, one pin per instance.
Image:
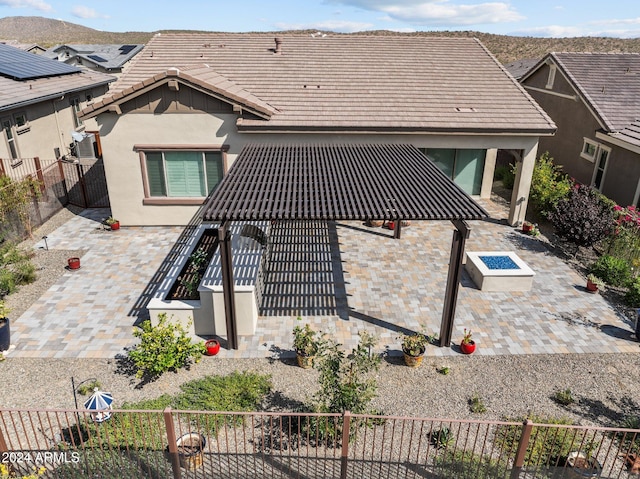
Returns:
(212, 346)
(583, 464)
(306, 343)
(5, 332)
(413, 348)
(113, 223)
(594, 283)
(467, 345)
(527, 227)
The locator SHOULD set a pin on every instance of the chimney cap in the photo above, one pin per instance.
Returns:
(278, 48)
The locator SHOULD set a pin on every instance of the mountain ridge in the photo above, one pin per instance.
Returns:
(49, 32)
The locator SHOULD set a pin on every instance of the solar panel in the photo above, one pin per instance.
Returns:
(124, 49)
(21, 65)
(97, 58)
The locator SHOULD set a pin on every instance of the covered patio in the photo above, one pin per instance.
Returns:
(286, 183)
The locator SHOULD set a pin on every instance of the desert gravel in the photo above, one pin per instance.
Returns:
(606, 386)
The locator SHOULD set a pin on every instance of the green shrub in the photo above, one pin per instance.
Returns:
(548, 446)
(632, 297)
(548, 185)
(564, 397)
(165, 347)
(476, 405)
(16, 268)
(613, 271)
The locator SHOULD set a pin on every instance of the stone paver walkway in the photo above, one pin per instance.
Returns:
(371, 281)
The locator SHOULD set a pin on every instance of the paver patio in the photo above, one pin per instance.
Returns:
(342, 277)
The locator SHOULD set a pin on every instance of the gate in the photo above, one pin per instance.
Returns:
(86, 184)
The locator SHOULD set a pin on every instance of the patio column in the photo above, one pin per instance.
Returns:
(460, 235)
(226, 264)
(522, 186)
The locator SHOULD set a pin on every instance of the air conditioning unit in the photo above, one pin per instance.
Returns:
(86, 148)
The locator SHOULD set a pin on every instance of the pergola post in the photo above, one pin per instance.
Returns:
(460, 235)
(226, 263)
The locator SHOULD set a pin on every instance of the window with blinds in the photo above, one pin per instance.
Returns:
(183, 174)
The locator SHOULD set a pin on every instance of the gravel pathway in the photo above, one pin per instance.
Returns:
(606, 387)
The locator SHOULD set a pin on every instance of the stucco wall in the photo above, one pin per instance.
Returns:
(50, 124)
(119, 134)
(622, 175)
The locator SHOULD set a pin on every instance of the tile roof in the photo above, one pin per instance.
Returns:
(610, 82)
(19, 93)
(520, 67)
(630, 134)
(353, 82)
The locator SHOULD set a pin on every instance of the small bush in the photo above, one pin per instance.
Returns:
(508, 176)
(548, 185)
(165, 347)
(461, 464)
(442, 438)
(613, 271)
(632, 297)
(88, 388)
(584, 217)
(15, 268)
(476, 405)
(564, 397)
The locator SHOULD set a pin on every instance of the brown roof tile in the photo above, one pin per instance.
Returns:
(20, 93)
(352, 82)
(609, 81)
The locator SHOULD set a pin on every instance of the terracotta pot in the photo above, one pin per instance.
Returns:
(304, 361)
(115, 226)
(592, 287)
(413, 361)
(391, 225)
(74, 263)
(526, 228)
(213, 346)
(468, 348)
(190, 448)
(582, 466)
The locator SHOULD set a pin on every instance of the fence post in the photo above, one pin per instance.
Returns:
(64, 182)
(527, 427)
(173, 446)
(83, 186)
(38, 165)
(346, 427)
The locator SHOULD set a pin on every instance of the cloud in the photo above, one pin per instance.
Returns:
(81, 11)
(329, 25)
(439, 12)
(552, 31)
(36, 4)
(616, 28)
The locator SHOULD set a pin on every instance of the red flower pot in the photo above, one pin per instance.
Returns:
(213, 346)
(526, 228)
(468, 348)
(115, 226)
(74, 263)
(592, 287)
(391, 225)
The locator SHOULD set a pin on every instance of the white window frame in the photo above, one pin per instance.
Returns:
(552, 77)
(76, 108)
(587, 156)
(9, 132)
(596, 167)
(25, 122)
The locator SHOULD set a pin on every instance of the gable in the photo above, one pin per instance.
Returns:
(164, 99)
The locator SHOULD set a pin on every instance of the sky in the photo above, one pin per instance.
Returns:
(540, 18)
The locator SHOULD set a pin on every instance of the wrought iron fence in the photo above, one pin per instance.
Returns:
(186, 444)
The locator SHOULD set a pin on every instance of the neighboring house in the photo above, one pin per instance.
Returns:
(110, 59)
(520, 67)
(27, 47)
(594, 99)
(188, 103)
(39, 104)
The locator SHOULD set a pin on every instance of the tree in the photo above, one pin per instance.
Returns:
(584, 217)
(548, 185)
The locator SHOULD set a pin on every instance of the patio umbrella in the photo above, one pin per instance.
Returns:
(100, 405)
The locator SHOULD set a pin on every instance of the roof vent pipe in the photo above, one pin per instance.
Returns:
(278, 49)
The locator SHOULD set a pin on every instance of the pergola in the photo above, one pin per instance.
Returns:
(339, 182)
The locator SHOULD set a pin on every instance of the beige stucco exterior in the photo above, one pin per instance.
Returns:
(49, 126)
(120, 133)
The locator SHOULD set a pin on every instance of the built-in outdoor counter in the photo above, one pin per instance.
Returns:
(188, 296)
